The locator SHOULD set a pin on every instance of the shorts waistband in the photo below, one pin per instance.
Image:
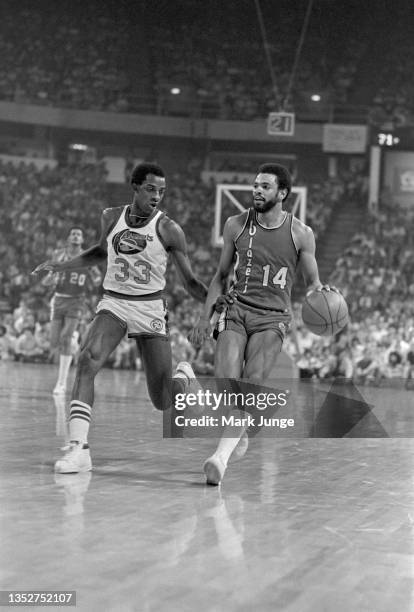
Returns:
(158, 295)
(258, 306)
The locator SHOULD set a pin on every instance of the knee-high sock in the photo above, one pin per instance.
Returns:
(79, 421)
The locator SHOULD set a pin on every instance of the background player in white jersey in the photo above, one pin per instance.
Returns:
(267, 244)
(136, 240)
(67, 302)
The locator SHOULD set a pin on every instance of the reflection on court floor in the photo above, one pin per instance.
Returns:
(298, 524)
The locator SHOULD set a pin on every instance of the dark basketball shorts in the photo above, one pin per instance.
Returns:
(65, 306)
(248, 320)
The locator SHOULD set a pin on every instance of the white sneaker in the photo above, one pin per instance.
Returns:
(59, 389)
(77, 458)
(214, 469)
(184, 370)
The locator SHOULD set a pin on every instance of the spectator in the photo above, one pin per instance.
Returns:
(7, 344)
(27, 348)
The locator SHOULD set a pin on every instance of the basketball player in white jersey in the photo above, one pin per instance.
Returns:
(268, 244)
(136, 241)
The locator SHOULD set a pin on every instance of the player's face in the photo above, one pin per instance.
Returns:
(149, 194)
(75, 237)
(266, 192)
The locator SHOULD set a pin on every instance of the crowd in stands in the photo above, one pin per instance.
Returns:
(53, 57)
(392, 102)
(375, 276)
(84, 57)
(229, 76)
(374, 273)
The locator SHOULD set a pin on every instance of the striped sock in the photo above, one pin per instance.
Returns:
(79, 420)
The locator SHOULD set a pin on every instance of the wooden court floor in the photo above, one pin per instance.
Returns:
(298, 525)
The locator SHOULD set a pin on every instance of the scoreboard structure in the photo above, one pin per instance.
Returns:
(392, 165)
(281, 124)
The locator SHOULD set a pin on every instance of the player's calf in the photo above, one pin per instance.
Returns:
(88, 365)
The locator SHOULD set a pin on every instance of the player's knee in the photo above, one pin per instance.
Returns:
(254, 373)
(256, 369)
(161, 399)
(65, 341)
(162, 403)
(87, 364)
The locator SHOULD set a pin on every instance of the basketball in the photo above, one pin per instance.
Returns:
(324, 312)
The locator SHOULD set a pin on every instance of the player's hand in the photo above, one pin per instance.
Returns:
(222, 302)
(321, 288)
(47, 266)
(200, 332)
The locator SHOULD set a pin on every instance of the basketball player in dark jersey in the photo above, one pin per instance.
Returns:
(265, 244)
(67, 302)
(136, 241)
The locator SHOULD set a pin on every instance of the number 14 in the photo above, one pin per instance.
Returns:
(278, 279)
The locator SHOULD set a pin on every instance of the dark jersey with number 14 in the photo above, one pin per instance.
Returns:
(266, 260)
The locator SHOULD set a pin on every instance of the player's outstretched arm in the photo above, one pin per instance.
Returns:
(51, 277)
(174, 240)
(92, 256)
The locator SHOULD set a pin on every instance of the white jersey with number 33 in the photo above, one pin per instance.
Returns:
(137, 259)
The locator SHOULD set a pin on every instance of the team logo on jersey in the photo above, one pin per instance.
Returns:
(156, 325)
(128, 242)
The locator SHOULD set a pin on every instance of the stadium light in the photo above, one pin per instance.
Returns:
(78, 147)
(175, 91)
(316, 98)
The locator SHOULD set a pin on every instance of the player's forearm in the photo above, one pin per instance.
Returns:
(312, 283)
(214, 291)
(90, 257)
(197, 289)
(49, 279)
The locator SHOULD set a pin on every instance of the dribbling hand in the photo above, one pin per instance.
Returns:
(322, 288)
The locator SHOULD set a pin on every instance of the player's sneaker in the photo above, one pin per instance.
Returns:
(214, 469)
(184, 370)
(241, 448)
(59, 389)
(77, 458)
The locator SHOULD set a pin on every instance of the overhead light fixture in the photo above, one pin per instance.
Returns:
(78, 147)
